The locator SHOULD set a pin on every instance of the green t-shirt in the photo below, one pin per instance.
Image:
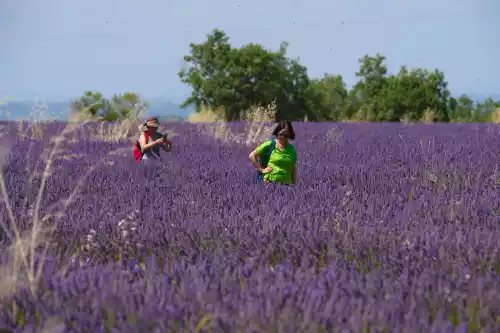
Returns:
(281, 162)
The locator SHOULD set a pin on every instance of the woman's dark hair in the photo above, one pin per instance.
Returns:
(284, 125)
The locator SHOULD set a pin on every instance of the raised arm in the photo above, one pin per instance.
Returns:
(144, 145)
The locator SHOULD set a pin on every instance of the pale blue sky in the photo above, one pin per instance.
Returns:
(57, 49)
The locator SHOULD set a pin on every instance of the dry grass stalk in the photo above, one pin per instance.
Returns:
(495, 116)
(23, 273)
(3, 111)
(257, 127)
(429, 116)
(334, 135)
(354, 121)
(18, 275)
(40, 118)
(24, 260)
(405, 119)
(258, 121)
(206, 115)
(114, 131)
(118, 130)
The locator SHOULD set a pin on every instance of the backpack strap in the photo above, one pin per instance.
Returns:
(260, 176)
(271, 147)
(270, 151)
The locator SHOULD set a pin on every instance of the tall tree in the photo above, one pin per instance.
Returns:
(462, 109)
(411, 93)
(366, 93)
(327, 97)
(234, 79)
(484, 110)
(206, 71)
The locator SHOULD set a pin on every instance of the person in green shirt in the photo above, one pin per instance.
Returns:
(280, 165)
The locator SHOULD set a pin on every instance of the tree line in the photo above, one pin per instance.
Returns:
(233, 80)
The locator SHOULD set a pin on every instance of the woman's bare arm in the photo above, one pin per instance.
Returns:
(144, 145)
(253, 158)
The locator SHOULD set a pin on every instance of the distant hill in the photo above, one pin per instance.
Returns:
(26, 110)
(162, 108)
(170, 118)
(58, 110)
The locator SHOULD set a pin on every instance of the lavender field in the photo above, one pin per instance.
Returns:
(391, 228)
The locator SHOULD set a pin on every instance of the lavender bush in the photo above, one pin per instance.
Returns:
(391, 228)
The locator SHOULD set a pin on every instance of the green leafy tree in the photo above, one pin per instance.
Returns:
(411, 93)
(234, 79)
(327, 97)
(206, 72)
(464, 109)
(93, 105)
(365, 97)
(378, 96)
(484, 110)
(127, 105)
(461, 109)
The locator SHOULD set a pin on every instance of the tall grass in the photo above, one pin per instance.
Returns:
(495, 116)
(23, 251)
(26, 250)
(258, 120)
(115, 131)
